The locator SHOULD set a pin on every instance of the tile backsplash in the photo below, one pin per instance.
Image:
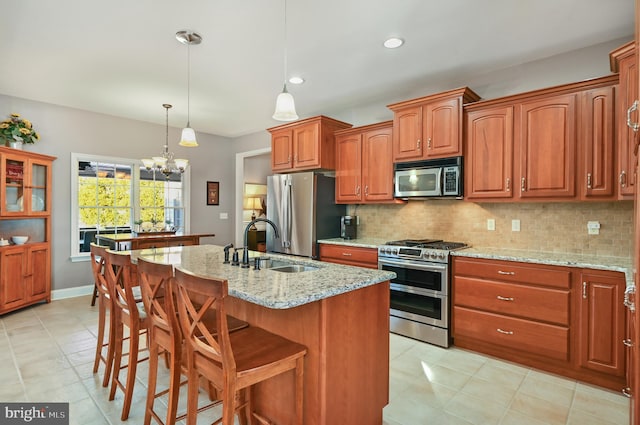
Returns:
(559, 227)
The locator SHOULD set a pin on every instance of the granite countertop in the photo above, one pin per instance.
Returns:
(359, 242)
(619, 264)
(266, 287)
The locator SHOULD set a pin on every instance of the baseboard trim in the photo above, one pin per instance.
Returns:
(78, 291)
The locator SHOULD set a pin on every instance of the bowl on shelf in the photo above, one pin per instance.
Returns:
(19, 240)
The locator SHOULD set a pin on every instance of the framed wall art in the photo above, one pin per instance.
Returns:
(213, 193)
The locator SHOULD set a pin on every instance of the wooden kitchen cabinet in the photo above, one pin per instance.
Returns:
(601, 326)
(525, 147)
(489, 145)
(349, 255)
(25, 210)
(430, 126)
(364, 168)
(305, 145)
(624, 60)
(597, 145)
(563, 320)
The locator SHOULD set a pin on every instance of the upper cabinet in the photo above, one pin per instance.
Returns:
(364, 166)
(25, 185)
(623, 60)
(307, 144)
(525, 147)
(431, 126)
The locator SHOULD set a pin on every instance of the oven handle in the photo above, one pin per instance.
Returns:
(415, 265)
(418, 291)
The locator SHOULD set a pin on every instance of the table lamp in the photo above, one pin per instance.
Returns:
(252, 204)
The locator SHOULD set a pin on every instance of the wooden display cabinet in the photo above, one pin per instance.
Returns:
(25, 210)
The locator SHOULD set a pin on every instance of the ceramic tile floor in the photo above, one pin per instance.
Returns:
(46, 354)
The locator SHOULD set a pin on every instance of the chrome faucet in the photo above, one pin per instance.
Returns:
(245, 249)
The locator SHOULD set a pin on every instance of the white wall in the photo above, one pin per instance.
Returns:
(65, 130)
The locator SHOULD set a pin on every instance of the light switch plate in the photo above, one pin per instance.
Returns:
(491, 224)
(224, 216)
(515, 225)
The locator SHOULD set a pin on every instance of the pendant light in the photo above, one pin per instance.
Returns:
(285, 106)
(188, 137)
(165, 163)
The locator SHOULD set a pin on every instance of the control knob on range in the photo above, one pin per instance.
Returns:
(441, 256)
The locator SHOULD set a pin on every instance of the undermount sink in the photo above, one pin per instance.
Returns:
(284, 266)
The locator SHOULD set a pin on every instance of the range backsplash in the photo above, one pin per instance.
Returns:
(559, 227)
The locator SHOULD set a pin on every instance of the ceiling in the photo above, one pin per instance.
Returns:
(121, 58)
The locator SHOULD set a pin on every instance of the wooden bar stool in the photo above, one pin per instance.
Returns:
(233, 362)
(130, 314)
(98, 254)
(165, 335)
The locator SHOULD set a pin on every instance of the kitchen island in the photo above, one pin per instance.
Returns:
(340, 313)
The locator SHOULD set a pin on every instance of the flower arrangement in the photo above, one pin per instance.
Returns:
(16, 129)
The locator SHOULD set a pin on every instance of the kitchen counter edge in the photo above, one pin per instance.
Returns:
(359, 242)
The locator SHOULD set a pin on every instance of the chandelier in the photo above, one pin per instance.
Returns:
(165, 163)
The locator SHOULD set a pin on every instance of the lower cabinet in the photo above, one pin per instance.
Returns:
(349, 255)
(568, 321)
(25, 276)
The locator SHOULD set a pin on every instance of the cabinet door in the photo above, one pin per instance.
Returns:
(306, 146)
(14, 170)
(631, 353)
(39, 271)
(597, 142)
(13, 264)
(348, 168)
(547, 145)
(441, 124)
(489, 159)
(282, 150)
(377, 165)
(601, 329)
(407, 134)
(38, 200)
(626, 137)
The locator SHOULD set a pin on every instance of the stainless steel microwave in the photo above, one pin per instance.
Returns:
(436, 178)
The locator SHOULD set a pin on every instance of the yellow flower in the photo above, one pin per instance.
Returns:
(37, 136)
(15, 115)
(27, 123)
(25, 131)
(4, 125)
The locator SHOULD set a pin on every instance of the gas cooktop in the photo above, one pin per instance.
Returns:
(427, 243)
(434, 250)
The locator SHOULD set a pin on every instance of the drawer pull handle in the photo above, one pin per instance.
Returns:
(632, 125)
(346, 254)
(507, 273)
(623, 178)
(627, 342)
(523, 187)
(626, 392)
(505, 332)
(588, 180)
(505, 298)
(584, 290)
(508, 184)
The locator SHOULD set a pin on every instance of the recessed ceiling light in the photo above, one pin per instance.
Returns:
(296, 80)
(393, 43)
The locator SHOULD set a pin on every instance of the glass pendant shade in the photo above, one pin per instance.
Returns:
(285, 107)
(181, 164)
(148, 163)
(188, 137)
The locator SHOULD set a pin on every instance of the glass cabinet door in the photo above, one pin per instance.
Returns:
(14, 186)
(38, 187)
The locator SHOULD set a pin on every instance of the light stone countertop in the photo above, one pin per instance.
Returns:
(266, 287)
(359, 242)
(618, 264)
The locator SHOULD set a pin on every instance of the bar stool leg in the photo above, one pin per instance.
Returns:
(153, 378)
(100, 343)
(134, 344)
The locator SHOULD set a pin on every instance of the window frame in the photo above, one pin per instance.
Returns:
(76, 158)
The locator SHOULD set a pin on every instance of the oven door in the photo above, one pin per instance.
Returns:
(419, 305)
(432, 277)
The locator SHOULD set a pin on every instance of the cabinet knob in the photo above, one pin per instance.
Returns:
(632, 125)
(627, 342)
(626, 392)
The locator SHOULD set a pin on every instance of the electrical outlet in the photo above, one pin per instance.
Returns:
(593, 227)
(491, 224)
(515, 225)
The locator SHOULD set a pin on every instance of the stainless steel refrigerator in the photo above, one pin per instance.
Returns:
(302, 205)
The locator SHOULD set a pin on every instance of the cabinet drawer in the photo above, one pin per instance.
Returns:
(531, 302)
(351, 255)
(511, 271)
(519, 334)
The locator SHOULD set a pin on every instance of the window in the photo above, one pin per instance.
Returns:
(115, 195)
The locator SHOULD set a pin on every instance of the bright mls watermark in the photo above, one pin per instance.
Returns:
(34, 413)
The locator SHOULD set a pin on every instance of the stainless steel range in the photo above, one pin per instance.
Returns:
(420, 303)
